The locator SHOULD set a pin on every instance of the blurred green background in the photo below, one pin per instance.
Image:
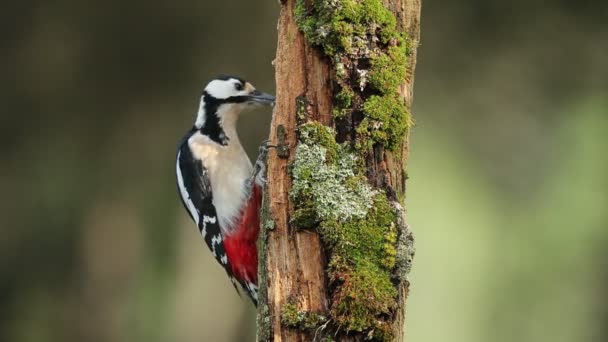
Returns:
(508, 194)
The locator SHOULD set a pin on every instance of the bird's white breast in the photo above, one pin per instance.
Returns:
(229, 169)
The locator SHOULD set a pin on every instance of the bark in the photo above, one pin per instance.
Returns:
(293, 262)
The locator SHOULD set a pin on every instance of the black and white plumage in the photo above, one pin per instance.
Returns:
(218, 185)
(195, 190)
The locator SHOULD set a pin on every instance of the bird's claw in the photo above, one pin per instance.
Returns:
(265, 145)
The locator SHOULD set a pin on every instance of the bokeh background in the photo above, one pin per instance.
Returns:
(508, 194)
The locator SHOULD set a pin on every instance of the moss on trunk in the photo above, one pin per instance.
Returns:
(352, 69)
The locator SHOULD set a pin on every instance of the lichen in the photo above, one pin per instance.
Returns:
(264, 324)
(290, 315)
(405, 244)
(320, 135)
(268, 224)
(356, 224)
(326, 184)
(360, 228)
(369, 55)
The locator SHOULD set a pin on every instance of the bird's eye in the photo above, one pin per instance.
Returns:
(238, 86)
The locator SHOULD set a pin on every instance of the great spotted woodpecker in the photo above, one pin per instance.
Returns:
(218, 185)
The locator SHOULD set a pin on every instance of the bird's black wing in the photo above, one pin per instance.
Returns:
(195, 192)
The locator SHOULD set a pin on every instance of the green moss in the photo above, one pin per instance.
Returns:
(292, 317)
(317, 134)
(361, 30)
(343, 102)
(386, 117)
(306, 23)
(374, 12)
(386, 122)
(356, 224)
(390, 251)
(339, 26)
(305, 217)
(362, 237)
(330, 191)
(365, 294)
(387, 72)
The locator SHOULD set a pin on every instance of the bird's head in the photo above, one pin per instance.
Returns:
(223, 99)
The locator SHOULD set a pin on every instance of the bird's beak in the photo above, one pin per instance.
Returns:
(261, 98)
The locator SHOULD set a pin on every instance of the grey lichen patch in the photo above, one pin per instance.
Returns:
(264, 324)
(357, 226)
(328, 185)
(268, 224)
(405, 245)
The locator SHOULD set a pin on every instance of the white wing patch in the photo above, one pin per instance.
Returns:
(184, 192)
(207, 219)
(215, 241)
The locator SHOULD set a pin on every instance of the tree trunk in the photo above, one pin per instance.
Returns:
(335, 250)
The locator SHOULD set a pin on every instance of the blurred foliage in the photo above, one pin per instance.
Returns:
(507, 196)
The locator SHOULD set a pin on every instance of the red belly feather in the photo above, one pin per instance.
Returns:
(240, 246)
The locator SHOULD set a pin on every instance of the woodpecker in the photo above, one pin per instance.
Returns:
(218, 185)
